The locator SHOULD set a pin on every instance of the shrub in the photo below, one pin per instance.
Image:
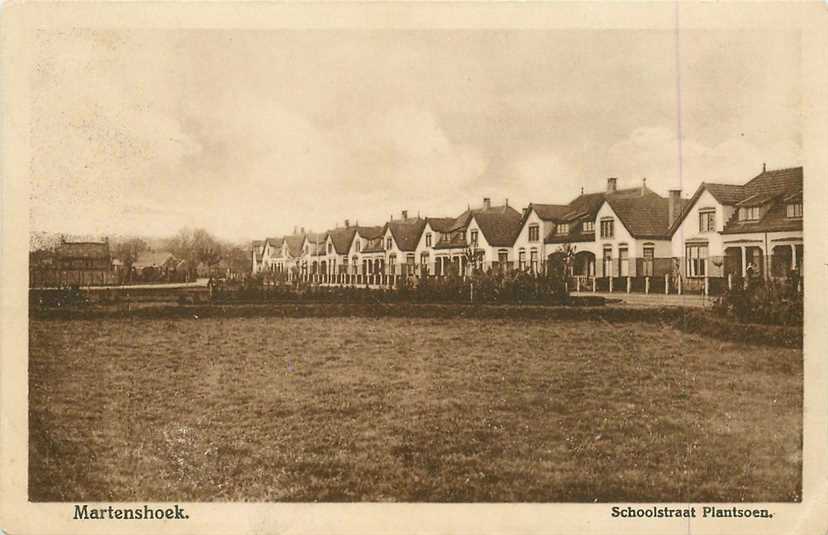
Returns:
(767, 302)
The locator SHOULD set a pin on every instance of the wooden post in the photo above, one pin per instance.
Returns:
(628, 284)
(730, 281)
(706, 285)
(577, 284)
(679, 285)
(594, 286)
(610, 283)
(666, 283)
(647, 285)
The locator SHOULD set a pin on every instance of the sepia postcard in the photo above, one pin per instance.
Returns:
(417, 268)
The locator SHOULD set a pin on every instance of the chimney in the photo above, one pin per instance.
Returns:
(525, 211)
(673, 205)
(405, 214)
(295, 230)
(643, 185)
(764, 167)
(507, 201)
(612, 184)
(303, 230)
(582, 190)
(347, 223)
(487, 203)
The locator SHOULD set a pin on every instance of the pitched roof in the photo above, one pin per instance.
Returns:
(407, 232)
(550, 212)
(499, 228)
(645, 216)
(83, 250)
(294, 244)
(726, 194)
(769, 188)
(441, 224)
(342, 238)
(370, 232)
(153, 259)
(640, 209)
(463, 219)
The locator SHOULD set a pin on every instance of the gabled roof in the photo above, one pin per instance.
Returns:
(153, 259)
(83, 250)
(500, 229)
(370, 233)
(342, 238)
(294, 244)
(463, 219)
(644, 217)
(441, 224)
(406, 232)
(727, 194)
(550, 212)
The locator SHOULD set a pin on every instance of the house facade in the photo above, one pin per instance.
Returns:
(754, 229)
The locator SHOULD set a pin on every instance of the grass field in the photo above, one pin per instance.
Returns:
(396, 409)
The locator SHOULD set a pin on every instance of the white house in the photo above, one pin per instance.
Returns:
(728, 229)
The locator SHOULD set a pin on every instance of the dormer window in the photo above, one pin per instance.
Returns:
(563, 228)
(358, 245)
(330, 248)
(588, 226)
(474, 237)
(388, 243)
(534, 232)
(750, 213)
(794, 209)
(428, 239)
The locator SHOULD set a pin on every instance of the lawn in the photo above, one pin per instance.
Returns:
(397, 409)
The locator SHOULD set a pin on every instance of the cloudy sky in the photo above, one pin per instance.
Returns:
(248, 133)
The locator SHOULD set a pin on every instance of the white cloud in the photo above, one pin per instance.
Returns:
(653, 152)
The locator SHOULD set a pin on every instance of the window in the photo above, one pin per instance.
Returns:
(749, 214)
(522, 259)
(607, 230)
(533, 259)
(358, 244)
(623, 261)
(649, 257)
(608, 262)
(534, 232)
(474, 237)
(588, 226)
(707, 220)
(330, 248)
(696, 260)
(563, 228)
(503, 256)
(795, 210)
(428, 239)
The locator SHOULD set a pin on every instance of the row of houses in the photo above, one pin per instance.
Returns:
(723, 229)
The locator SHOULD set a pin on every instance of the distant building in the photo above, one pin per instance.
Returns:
(153, 266)
(72, 264)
